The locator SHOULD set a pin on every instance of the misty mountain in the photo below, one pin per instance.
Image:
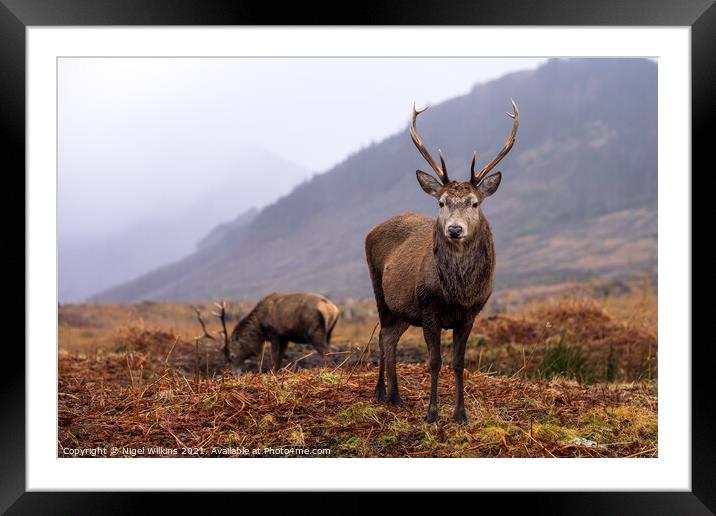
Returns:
(228, 230)
(87, 266)
(578, 199)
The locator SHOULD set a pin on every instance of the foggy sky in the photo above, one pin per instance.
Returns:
(143, 138)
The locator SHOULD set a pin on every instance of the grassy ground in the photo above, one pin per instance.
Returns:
(332, 410)
(583, 339)
(568, 378)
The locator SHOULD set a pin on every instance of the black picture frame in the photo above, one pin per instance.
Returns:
(17, 15)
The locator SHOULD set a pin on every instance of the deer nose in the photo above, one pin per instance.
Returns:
(454, 231)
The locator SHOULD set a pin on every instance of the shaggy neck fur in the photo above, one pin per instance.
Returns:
(464, 269)
(248, 334)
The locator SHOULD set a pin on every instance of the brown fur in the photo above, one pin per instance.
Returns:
(280, 318)
(435, 274)
(423, 278)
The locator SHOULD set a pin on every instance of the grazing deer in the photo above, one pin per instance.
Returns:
(279, 318)
(435, 273)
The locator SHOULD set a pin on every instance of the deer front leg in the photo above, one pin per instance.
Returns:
(431, 332)
(460, 335)
(278, 349)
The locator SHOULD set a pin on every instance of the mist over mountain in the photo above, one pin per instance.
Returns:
(578, 199)
(88, 265)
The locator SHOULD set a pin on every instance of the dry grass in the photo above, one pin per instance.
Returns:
(616, 335)
(610, 348)
(130, 403)
(133, 377)
(93, 328)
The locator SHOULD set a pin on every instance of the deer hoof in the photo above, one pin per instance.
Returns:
(432, 416)
(379, 393)
(460, 417)
(396, 400)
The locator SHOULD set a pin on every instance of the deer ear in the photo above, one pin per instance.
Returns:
(489, 185)
(428, 183)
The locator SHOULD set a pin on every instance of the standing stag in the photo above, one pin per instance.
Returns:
(435, 273)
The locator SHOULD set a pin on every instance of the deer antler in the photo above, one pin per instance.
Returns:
(203, 326)
(222, 317)
(475, 179)
(441, 172)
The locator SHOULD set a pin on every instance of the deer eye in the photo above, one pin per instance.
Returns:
(474, 205)
(441, 204)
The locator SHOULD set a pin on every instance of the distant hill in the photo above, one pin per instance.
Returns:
(88, 266)
(578, 198)
(228, 230)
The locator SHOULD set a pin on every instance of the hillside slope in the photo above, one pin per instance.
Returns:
(163, 235)
(577, 200)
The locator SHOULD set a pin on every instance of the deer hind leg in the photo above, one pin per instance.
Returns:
(389, 337)
(329, 335)
(380, 385)
(319, 342)
(431, 333)
(278, 349)
(460, 336)
(385, 318)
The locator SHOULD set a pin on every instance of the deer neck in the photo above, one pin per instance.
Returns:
(464, 271)
(248, 334)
